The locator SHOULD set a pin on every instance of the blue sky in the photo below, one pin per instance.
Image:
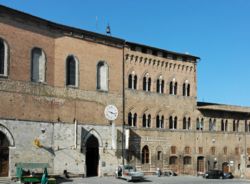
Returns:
(218, 31)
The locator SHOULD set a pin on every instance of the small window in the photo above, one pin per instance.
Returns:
(160, 85)
(187, 150)
(186, 88)
(3, 58)
(159, 121)
(200, 150)
(71, 71)
(132, 119)
(187, 160)
(38, 65)
(159, 155)
(132, 81)
(173, 122)
(237, 151)
(235, 125)
(173, 149)
(172, 160)
(213, 150)
(225, 150)
(102, 76)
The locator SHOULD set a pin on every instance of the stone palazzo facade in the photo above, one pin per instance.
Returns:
(56, 81)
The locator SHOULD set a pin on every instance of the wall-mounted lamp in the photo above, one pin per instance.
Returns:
(43, 130)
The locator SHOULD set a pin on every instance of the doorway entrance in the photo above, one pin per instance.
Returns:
(92, 156)
(200, 165)
(4, 155)
(225, 167)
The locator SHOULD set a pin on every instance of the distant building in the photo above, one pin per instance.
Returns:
(56, 82)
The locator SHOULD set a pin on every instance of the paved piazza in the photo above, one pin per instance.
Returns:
(155, 180)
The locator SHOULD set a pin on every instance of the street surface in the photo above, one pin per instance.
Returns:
(154, 180)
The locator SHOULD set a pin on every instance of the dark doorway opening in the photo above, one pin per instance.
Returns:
(225, 167)
(92, 156)
(4, 155)
(200, 165)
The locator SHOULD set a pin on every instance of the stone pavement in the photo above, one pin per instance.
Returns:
(153, 180)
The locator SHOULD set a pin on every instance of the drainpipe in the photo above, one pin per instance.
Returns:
(75, 133)
(123, 100)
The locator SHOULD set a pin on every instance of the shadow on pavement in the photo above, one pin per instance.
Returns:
(63, 180)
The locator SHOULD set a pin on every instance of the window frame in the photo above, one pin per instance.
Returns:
(6, 56)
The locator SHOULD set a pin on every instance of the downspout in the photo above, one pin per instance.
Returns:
(123, 100)
(75, 134)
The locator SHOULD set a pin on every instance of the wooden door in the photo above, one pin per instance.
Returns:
(225, 167)
(4, 162)
(200, 164)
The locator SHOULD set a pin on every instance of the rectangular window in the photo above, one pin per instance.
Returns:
(200, 150)
(213, 150)
(225, 150)
(237, 151)
(173, 150)
(187, 150)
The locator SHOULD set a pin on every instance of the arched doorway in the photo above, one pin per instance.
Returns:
(200, 165)
(92, 156)
(4, 155)
(225, 167)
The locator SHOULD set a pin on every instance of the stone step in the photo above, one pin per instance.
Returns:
(4, 180)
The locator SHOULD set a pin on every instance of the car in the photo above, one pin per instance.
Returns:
(218, 174)
(213, 174)
(129, 173)
(228, 175)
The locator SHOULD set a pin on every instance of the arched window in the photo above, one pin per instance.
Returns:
(173, 122)
(247, 126)
(160, 85)
(171, 91)
(235, 125)
(132, 119)
(159, 121)
(38, 63)
(102, 76)
(149, 121)
(135, 120)
(223, 125)
(199, 124)
(146, 82)
(173, 87)
(71, 71)
(3, 58)
(145, 155)
(186, 123)
(189, 123)
(171, 126)
(186, 88)
(144, 121)
(132, 81)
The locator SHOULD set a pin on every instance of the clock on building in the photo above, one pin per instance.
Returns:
(111, 112)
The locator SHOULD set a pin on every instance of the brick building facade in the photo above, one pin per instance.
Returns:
(57, 80)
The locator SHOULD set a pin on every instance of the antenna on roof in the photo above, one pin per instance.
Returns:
(108, 30)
